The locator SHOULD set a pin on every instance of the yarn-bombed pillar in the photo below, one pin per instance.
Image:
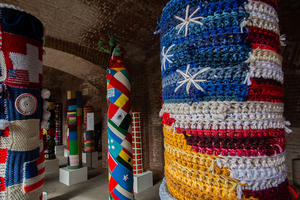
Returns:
(224, 131)
(79, 119)
(21, 151)
(88, 137)
(74, 159)
(137, 143)
(50, 133)
(119, 137)
(58, 124)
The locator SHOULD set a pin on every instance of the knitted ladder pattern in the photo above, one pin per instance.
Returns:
(21, 104)
(222, 87)
(119, 135)
(137, 143)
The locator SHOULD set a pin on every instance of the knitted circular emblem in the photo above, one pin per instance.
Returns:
(26, 104)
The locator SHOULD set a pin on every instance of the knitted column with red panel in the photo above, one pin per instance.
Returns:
(137, 143)
(119, 136)
(88, 135)
(222, 88)
(73, 139)
(21, 151)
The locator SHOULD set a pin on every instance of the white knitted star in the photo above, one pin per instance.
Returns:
(188, 19)
(189, 79)
(166, 57)
(125, 177)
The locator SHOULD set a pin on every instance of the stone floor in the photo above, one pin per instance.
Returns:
(96, 188)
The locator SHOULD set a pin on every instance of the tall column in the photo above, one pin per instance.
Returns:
(74, 158)
(119, 136)
(224, 130)
(137, 143)
(88, 139)
(49, 133)
(21, 151)
(79, 116)
(58, 124)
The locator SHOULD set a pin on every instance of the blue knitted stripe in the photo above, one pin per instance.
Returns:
(214, 22)
(15, 165)
(213, 10)
(230, 74)
(174, 6)
(212, 92)
(217, 56)
(208, 46)
(220, 36)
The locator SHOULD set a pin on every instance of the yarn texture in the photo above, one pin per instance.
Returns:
(21, 148)
(222, 112)
(119, 135)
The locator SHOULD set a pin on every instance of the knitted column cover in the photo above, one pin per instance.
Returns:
(73, 139)
(58, 124)
(88, 136)
(21, 151)
(137, 143)
(79, 116)
(224, 131)
(119, 134)
(50, 133)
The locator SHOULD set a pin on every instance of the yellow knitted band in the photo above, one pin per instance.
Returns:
(192, 175)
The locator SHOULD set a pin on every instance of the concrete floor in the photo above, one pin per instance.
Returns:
(96, 188)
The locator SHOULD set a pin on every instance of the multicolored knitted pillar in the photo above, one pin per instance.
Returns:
(58, 124)
(79, 116)
(50, 133)
(224, 131)
(119, 137)
(88, 137)
(137, 143)
(74, 158)
(21, 151)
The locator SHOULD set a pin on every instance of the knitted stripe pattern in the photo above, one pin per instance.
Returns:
(88, 136)
(74, 118)
(21, 148)
(137, 143)
(58, 124)
(119, 135)
(222, 86)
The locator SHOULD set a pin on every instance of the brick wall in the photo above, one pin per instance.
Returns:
(292, 114)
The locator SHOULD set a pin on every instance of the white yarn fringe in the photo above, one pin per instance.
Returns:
(4, 124)
(3, 5)
(45, 93)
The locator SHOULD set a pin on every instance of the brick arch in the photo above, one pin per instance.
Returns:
(76, 66)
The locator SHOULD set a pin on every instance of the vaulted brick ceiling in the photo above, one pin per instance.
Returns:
(75, 25)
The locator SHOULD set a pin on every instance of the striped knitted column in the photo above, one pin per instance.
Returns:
(224, 131)
(137, 143)
(21, 151)
(119, 136)
(58, 124)
(88, 137)
(74, 159)
(79, 116)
